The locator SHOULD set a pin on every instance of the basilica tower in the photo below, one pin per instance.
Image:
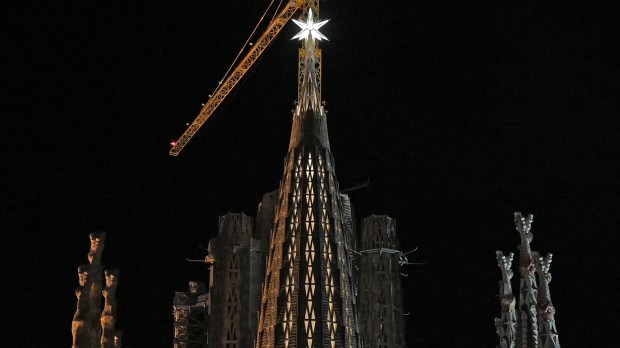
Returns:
(307, 297)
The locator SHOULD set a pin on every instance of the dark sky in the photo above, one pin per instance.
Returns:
(459, 113)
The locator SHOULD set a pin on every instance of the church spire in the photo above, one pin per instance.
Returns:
(309, 120)
(307, 298)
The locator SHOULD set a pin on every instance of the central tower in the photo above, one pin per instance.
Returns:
(307, 296)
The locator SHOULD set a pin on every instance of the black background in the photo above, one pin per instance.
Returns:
(458, 113)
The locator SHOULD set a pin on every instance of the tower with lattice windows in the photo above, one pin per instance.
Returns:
(233, 291)
(380, 293)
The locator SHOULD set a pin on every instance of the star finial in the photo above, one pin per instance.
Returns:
(310, 29)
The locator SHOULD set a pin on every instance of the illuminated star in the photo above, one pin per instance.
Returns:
(310, 29)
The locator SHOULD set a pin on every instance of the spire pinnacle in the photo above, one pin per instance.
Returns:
(310, 29)
(310, 64)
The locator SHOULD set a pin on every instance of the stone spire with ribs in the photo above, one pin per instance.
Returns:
(307, 299)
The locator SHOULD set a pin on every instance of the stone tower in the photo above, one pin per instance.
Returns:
(234, 287)
(307, 297)
(380, 293)
(531, 324)
(93, 324)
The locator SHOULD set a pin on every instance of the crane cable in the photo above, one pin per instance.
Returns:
(246, 43)
(275, 13)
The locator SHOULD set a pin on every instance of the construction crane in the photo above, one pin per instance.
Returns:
(229, 83)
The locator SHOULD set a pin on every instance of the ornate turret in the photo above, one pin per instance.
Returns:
(108, 317)
(526, 325)
(81, 325)
(547, 332)
(535, 323)
(97, 241)
(307, 299)
(505, 326)
(90, 327)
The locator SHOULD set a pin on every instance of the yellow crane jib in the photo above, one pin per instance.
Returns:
(231, 81)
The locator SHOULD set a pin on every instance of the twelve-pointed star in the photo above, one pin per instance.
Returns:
(310, 28)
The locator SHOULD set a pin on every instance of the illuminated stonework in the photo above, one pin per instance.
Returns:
(307, 238)
(109, 336)
(314, 292)
(91, 327)
(307, 296)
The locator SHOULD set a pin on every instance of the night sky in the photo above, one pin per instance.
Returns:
(459, 114)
